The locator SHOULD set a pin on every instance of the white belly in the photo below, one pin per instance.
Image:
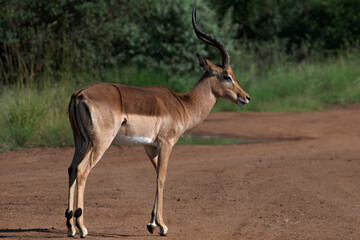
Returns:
(121, 139)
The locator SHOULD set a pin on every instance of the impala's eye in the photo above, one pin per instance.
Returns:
(227, 78)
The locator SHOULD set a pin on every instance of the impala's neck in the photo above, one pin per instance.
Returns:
(199, 101)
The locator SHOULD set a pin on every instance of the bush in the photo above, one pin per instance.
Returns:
(316, 24)
(163, 37)
(38, 37)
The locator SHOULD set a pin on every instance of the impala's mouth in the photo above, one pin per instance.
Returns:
(241, 103)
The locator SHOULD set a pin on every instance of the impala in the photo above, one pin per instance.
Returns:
(154, 117)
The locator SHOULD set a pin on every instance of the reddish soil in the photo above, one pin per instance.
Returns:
(306, 186)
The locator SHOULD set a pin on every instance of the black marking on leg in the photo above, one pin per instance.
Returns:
(78, 213)
(68, 224)
(68, 214)
(70, 170)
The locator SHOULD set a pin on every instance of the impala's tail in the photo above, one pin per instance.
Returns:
(77, 107)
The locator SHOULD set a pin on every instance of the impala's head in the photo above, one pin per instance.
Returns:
(224, 83)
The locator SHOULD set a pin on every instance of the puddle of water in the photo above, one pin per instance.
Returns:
(190, 139)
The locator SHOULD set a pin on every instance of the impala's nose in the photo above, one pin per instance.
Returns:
(248, 98)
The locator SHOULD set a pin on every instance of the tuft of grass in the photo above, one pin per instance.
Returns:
(56, 129)
(32, 116)
(22, 114)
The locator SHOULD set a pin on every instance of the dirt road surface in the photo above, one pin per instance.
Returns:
(306, 186)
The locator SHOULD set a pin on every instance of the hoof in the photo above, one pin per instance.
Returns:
(71, 233)
(163, 231)
(83, 233)
(151, 228)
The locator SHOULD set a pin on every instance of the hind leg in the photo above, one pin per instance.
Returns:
(162, 164)
(82, 173)
(152, 153)
(71, 193)
(92, 157)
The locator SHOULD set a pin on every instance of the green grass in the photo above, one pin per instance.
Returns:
(211, 140)
(35, 117)
(301, 87)
(36, 114)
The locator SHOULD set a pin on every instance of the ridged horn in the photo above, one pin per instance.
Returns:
(211, 40)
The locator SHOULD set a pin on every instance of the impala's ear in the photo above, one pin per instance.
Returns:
(203, 63)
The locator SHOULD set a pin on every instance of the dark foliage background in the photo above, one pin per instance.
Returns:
(325, 25)
(39, 37)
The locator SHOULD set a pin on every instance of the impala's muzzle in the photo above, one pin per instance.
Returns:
(242, 101)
